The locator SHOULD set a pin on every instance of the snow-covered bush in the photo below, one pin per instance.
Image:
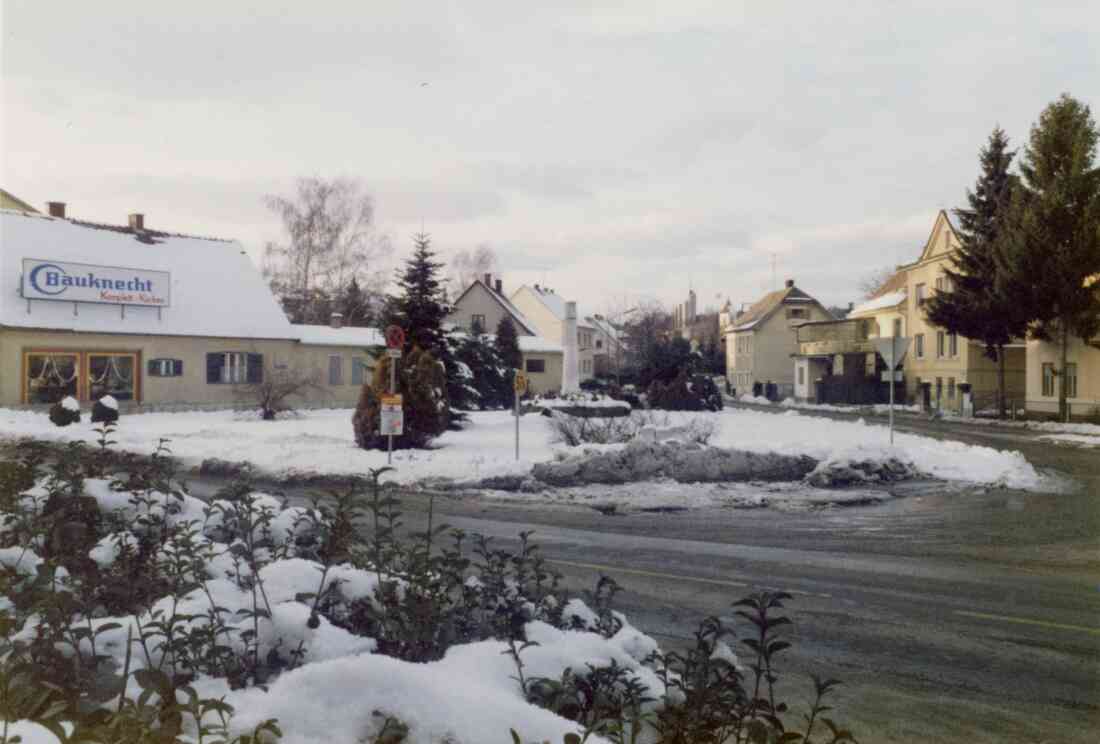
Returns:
(65, 411)
(105, 410)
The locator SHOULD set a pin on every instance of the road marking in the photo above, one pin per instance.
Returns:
(1028, 621)
(676, 577)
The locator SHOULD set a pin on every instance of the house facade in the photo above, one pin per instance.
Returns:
(484, 304)
(939, 361)
(761, 341)
(1082, 375)
(548, 311)
(155, 319)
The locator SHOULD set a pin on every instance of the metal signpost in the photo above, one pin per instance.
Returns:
(892, 350)
(392, 418)
(519, 384)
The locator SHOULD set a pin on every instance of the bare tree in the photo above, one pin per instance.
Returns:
(273, 393)
(330, 239)
(872, 281)
(467, 266)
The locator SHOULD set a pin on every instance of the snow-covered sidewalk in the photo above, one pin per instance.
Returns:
(322, 442)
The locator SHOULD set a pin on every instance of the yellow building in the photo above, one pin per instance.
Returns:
(938, 360)
(154, 319)
(1082, 377)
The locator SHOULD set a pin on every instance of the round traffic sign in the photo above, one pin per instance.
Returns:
(395, 337)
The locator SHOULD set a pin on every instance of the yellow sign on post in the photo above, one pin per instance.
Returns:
(520, 383)
(392, 418)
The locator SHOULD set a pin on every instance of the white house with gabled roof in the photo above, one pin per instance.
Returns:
(155, 319)
(483, 305)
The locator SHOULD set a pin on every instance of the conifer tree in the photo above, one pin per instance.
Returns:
(507, 343)
(976, 307)
(1052, 247)
(419, 308)
(355, 305)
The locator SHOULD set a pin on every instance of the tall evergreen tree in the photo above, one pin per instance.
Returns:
(507, 343)
(976, 307)
(419, 308)
(1052, 246)
(355, 305)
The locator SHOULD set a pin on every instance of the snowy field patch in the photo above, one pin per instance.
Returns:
(322, 442)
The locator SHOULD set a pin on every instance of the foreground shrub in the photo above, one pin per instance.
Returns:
(65, 412)
(105, 410)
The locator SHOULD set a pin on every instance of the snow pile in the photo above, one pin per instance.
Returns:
(69, 403)
(108, 401)
(759, 400)
(878, 408)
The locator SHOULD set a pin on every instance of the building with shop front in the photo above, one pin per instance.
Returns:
(155, 319)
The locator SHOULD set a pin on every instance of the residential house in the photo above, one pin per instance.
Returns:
(886, 307)
(483, 304)
(1082, 377)
(939, 361)
(607, 350)
(549, 313)
(761, 340)
(155, 319)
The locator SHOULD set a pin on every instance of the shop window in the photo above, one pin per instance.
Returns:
(234, 368)
(165, 367)
(51, 377)
(112, 374)
(536, 365)
(358, 367)
(335, 370)
(1071, 380)
(1048, 379)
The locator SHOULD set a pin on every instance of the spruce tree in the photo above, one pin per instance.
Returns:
(355, 305)
(419, 308)
(1052, 247)
(507, 343)
(976, 308)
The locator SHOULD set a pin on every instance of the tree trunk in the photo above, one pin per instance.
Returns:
(1063, 404)
(1001, 380)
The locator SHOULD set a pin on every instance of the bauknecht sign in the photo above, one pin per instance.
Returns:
(73, 282)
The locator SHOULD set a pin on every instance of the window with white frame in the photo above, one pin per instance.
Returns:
(953, 344)
(1048, 379)
(1071, 380)
(918, 343)
(922, 294)
(358, 366)
(941, 344)
(335, 369)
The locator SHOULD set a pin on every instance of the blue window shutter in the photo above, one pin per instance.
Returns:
(255, 369)
(214, 364)
(177, 367)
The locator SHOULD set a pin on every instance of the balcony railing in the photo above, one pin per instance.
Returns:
(835, 337)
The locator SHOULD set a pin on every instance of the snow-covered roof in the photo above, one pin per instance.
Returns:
(604, 326)
(556, 304)
(889, 299)
(323, 335)
(538, 344)
(215, 288)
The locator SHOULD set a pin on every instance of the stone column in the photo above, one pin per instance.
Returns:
(570, 376)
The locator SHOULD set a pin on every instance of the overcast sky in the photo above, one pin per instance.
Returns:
(606, 149)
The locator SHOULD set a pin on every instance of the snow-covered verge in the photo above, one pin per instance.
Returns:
(1080, 440)
(878, 408)
(322, 442)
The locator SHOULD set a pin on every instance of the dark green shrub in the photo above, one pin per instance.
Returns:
(65, 412)
(422, 382)
(105, 410)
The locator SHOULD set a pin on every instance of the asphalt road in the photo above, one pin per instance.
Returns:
(951, 615)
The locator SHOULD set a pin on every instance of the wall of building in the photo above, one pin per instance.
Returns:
(191, 388)
(1087, 359)
(479, 301)
(548, 381)
(549, 326)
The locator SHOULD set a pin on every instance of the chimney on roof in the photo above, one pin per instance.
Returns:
(336, 320)
(790, 283)
(500, 287)
(489, 280)
(56, 209)
(137, 221)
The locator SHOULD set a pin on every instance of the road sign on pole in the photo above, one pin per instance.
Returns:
(519, 386)
(395, 336)
(892, 349)
(392, 419)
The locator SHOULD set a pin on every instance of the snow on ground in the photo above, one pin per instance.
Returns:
(1081, 440)
(322, 442)
(879, 408)
(315, 441)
